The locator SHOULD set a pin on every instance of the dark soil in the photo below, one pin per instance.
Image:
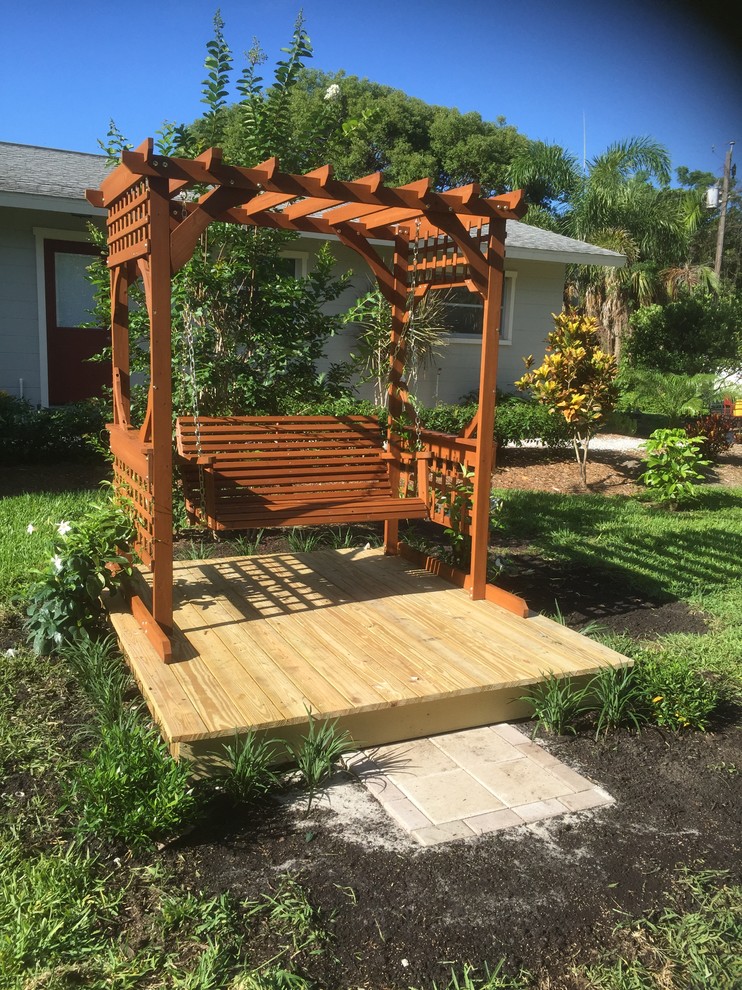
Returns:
(542, 897)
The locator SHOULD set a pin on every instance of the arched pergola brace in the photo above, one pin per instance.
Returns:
(159, 206)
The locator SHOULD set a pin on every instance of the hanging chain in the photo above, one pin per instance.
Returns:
(188, 322)
(411, 326)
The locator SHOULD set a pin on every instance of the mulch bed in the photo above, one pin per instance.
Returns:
(542, 897)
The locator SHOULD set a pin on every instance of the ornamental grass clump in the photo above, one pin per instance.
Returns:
(557, 704)
(673, 462)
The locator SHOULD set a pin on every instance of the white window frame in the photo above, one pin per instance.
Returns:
(506, 329)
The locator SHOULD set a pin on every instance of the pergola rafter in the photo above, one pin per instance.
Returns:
(158, 208)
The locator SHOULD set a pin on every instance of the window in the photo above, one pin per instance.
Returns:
(73, 291)
(464, 311)
(293, 263)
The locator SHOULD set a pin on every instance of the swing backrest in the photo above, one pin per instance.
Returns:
(265, 471)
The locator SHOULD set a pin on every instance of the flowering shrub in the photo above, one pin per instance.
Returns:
(676, 695)
(64, 603)
(716, 434)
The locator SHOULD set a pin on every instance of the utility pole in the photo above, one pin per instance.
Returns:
(723, 210)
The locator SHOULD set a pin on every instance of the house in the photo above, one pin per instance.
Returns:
(45, 295)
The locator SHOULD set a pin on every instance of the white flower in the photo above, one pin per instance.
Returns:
(30, 528)
(57, 561)
(63, 528)
(10, 653)
(57, 638)
(332, 92)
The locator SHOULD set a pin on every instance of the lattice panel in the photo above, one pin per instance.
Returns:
(138, 491)
(440, 261)
(449, 458)
(129, 225)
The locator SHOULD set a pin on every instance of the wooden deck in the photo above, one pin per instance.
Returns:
(387, 648)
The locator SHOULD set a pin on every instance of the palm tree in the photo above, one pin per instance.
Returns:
(622, 200)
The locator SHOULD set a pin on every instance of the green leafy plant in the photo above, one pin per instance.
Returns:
(618, 698)
(90, 556)
(557, 704)
(676, 695)
(317, 753)
(129, 788)
(456, 504)
(576, 380)
(673, 460)
(424, 336)
(251, 774)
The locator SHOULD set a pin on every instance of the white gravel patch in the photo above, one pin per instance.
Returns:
(603, 441)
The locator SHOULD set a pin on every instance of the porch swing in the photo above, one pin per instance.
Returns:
(256, 472)
(265, 471)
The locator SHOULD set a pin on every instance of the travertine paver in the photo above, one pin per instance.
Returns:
(473, 782)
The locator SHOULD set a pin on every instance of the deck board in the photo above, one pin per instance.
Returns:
(375, 641)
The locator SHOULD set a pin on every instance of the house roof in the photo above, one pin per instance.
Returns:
(536, 244)
(54, 178)
(50, 178)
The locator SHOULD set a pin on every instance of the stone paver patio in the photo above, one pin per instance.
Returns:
(468, 783)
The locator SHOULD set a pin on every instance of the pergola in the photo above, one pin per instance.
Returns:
(158, 208)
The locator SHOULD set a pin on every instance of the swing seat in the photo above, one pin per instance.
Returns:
(255, 472)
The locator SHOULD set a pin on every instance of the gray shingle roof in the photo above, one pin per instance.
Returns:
(522, 239)
(48, 171)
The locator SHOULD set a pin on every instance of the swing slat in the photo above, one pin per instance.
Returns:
(272, 471)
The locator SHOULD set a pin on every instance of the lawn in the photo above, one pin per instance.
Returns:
(645, 895)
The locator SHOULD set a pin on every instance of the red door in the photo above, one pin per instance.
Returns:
(69, 300)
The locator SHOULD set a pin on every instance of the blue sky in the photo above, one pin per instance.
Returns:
(658, 68)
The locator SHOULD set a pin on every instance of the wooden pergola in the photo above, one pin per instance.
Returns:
(158, 208)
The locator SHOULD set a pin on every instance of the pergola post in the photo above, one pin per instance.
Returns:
(480, 515)
(400, 263)
(161, 405)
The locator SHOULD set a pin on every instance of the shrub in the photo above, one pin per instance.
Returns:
(65, 602)
(694, 334)
(676, 695)
(69, 432)
(518, 421)
(673, 460)
(715, 433)
(657, 393)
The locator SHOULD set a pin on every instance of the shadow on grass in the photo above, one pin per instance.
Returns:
(631, 545)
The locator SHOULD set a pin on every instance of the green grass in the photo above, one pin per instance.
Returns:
(694, 555)
(20, 551)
